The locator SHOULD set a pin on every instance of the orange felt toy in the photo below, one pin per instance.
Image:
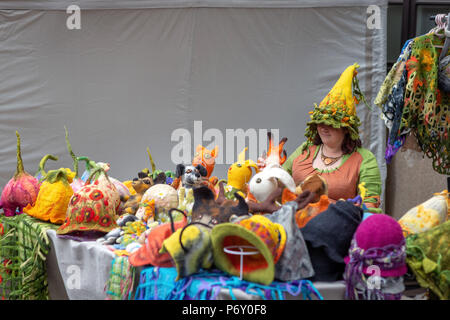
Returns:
(303, 216)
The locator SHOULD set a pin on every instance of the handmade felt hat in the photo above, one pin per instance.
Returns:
(338, 108)
(379, 241)
(267, 238)
(92, 211)
(190, 248)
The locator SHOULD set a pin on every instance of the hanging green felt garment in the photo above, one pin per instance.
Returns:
(428, 256)
(426, 108)
(23, 248)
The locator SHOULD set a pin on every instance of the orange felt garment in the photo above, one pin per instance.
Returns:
(149, 254)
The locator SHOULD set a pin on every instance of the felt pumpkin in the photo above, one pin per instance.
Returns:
(22, 189)
(93, 208)
(54, 195)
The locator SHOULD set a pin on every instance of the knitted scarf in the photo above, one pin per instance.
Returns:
(159, 284)
(23, 248)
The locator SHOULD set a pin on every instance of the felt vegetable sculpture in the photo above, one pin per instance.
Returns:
(265, 182)
(140, 185)
(239, 175)
(21, 190)
(166, 198)
(208, 211)
(426, 215)
(149, 253)
(54, 194)
(92, 210)
(257, 235)
(275, 154)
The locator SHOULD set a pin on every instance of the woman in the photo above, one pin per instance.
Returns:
(333, 148)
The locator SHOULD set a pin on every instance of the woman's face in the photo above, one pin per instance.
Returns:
(330, 136)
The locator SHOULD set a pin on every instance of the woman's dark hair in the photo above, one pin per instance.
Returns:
(348, 145)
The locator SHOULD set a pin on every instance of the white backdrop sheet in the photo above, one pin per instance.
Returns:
(129, 78)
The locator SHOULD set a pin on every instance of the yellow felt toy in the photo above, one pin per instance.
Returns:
(54, 194)
(239, 174)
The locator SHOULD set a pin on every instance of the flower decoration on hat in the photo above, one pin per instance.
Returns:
(338, 108)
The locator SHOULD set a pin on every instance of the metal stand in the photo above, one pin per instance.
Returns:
(241, 253)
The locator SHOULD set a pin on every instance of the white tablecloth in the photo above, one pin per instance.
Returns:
(80, 271)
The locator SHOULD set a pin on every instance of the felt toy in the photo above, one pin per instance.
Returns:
(206, 158)
(166, 198)
(149, 253)
(238, 175)
(190, 248)
(378, 242)
(294, 263)
(54, 194)
(275, 155)
(140, 186)
(158, 176)
(265, 182)
(303, 216)
(191, 177)
(314, 183)
(426, 215)
(92, 211)
(129, 185)
(207, 210)
(266, 238)
(22, 189)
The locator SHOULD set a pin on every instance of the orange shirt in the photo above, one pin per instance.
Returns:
(359, 166)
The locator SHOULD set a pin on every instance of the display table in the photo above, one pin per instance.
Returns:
(80, 271)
